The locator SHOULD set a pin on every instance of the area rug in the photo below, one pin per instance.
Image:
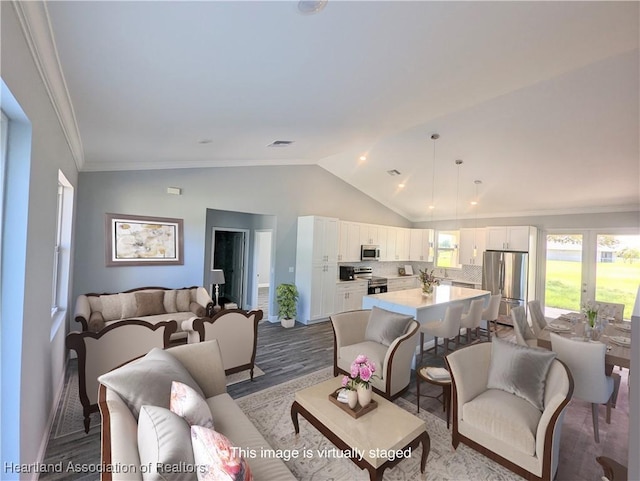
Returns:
(269, 410)
(244, 375)
(69, 418)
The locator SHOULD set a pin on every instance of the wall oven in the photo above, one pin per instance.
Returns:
(369, 253)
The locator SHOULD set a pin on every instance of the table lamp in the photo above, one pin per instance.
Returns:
(217, 278)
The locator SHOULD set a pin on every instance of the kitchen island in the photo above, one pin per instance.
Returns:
(424, 309)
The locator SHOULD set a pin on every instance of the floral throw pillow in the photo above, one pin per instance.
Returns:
(216, 458)
(190, 405)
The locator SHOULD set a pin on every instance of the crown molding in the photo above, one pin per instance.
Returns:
(35, 23)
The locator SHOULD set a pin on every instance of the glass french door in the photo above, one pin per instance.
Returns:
(591, 265)
(564, 273)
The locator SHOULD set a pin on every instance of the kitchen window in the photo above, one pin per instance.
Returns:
(447, 243)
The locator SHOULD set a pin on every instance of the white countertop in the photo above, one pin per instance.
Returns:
(413, 298)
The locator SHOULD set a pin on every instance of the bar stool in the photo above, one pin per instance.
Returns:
(446, 328)
(438, 376)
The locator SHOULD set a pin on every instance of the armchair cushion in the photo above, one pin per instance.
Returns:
(519, 370)
(147, 381)
(164, 438)
(149, 303)
(376, 353)
(506, 417)
(384, 326)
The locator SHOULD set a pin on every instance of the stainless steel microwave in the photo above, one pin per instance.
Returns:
(369, 253)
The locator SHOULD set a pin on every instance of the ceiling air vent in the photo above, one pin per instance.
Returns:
(393, 172)
(280, 143)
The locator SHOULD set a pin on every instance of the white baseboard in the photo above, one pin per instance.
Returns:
(42, 451)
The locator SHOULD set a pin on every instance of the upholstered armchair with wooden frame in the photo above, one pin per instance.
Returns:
(393, 361)
(116, 344)
(503, 426)
(237, 333)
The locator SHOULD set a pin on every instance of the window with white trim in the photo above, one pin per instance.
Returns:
(4, 136)
(62, 245)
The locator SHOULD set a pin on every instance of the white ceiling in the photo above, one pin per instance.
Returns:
(539, 99)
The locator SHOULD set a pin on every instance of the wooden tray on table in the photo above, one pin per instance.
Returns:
(355, 412)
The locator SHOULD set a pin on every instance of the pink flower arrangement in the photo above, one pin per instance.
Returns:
(362, 373)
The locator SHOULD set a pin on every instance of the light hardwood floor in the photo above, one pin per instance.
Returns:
(285, 354)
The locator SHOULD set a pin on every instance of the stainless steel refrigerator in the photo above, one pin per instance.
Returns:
(505, 273)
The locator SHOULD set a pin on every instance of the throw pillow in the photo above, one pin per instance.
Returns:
(128, 302)
(216, 458)
(96, 322)
(190, 405)
(197, 309)
(111, 307)
(164, 439)
(149, 303)
(384, 326)
(148, 380)
(519, 370)
(170, 301)
(183, 299)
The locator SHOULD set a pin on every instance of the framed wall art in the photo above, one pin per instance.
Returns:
(135, 240)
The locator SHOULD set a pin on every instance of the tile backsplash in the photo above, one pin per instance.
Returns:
(388, 269)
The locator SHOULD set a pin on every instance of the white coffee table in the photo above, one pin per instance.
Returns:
(386, 429)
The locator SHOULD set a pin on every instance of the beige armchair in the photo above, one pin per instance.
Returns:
(237, 334)
(504, 426)
(393, 361)
(116, 344)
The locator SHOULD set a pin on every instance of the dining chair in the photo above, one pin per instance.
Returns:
(472, 318)
(610, 309)
(524, 334)
(538, 321)
(585, 360)
(490, 314)
(445, 328)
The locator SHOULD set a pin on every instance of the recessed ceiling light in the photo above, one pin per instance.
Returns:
(401, 186)
(205, 141)
(363, 157)
(310, 7)
(474, 202)
(432, 207)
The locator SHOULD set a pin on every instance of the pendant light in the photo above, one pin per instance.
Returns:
(475, 224)
(458, 163)
(432, 205)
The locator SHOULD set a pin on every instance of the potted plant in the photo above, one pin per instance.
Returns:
(287, 297)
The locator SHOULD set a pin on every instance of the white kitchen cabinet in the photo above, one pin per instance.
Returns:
(398, 239)
(349, 242)
(421, 245)
(472, 246)
(510, 238)
(401, 283)
(349, 295)
(369, 234)
(316, 267)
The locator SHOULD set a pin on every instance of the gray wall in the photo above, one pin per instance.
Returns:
(33, 353)
(284, 192)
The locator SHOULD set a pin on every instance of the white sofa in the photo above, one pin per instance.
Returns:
(204, 363)
(502, 425)
(151, 304)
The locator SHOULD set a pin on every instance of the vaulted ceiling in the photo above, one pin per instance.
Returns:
(539, 99)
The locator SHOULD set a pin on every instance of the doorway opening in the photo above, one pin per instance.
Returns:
(229, 253)
(262, 268)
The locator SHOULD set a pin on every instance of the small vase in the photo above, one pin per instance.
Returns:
(364, 395)
(427, 289)
(587, 331)
(352, 398)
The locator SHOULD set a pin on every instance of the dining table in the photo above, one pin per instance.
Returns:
(616, 336)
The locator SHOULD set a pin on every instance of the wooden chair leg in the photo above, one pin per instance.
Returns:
(421, 346)
(609, 403)
(594, 416)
